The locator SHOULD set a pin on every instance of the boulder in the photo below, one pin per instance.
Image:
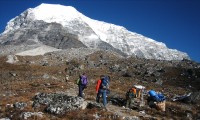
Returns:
(59, 103)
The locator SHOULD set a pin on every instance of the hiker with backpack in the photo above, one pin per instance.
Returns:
(156, 100)
(102, 89)
(82, 84)
(130, 97)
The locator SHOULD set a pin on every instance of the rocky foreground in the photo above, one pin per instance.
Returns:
(43, 87)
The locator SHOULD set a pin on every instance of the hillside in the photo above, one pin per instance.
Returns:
(29, 76)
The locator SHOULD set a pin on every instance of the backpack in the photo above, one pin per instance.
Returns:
(78, 81)
(83, 80)
(131, 93)
(159, 98)
(156, 97)
(107, 78)
(105, 82)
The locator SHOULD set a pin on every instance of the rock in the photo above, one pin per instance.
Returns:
(188, 98)
(91, 105)
(12, 59)
(117, 101)
(45, 63)
(20, 105)
(4, 118)
(26, 115)
(13, 74)
(46, 76)
(84, 105)
(130, 118)
(58, 103)
(195, 97)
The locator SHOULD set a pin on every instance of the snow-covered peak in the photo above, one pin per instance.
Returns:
(54, 13)
(47, 12)
(92, 33)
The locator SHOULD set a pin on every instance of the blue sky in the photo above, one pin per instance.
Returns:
(173, 22)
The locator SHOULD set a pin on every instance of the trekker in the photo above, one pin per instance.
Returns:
(102, 88)
(156, 100)
(130, 97)
(82, 84)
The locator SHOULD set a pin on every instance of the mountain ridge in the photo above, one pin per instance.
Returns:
(91, 33)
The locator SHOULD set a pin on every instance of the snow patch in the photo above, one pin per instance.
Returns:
(38, 51)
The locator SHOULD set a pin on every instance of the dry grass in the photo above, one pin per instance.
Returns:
(28, 80)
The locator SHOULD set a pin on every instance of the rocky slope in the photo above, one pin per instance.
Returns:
(33, 87)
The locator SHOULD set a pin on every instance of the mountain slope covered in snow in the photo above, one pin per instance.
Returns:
(63, 27)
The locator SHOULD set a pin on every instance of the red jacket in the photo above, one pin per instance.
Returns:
(98, 85)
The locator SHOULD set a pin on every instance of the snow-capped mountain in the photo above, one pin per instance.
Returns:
(64, 27)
